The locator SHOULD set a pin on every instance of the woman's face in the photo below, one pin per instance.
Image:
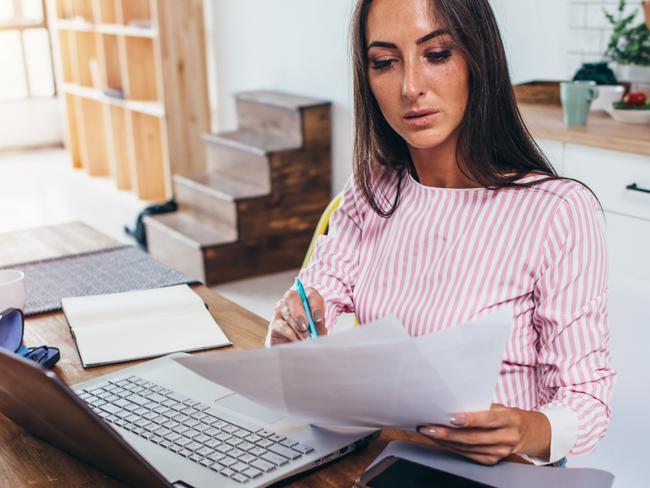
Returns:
(419, 79)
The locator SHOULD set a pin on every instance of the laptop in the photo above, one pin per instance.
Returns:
(160, 424)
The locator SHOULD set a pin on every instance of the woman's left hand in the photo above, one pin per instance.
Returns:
(487, 437)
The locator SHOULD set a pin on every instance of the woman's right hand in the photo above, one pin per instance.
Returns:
(289, 321)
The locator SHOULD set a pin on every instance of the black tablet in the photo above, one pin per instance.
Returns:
(393, 471)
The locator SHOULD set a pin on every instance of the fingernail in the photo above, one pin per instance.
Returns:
(302, 323)
(459, 420)
(423, 429)
(318, 315)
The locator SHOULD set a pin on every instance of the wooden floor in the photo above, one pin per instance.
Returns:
(41, 188)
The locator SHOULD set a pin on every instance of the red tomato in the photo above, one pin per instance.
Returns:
(634, 99)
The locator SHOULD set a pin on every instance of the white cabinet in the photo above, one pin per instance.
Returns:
(611, 174)
(628, 244)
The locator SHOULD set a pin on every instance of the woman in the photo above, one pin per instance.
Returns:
(454, 212)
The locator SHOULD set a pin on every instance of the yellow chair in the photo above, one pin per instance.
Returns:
(321, 230)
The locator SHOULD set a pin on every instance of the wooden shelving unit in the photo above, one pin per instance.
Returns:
(153, 53)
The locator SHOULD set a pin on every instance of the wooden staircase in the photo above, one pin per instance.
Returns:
(254, 211)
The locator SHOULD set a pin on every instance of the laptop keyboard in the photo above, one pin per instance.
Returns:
(191, 429)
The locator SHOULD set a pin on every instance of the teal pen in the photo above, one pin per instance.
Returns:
(305, 303)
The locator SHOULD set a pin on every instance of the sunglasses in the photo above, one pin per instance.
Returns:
(12, 329)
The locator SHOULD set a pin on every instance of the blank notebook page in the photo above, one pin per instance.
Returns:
(141, 324)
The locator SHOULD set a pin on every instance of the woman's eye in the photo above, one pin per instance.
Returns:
(438, 56)
(382, 64)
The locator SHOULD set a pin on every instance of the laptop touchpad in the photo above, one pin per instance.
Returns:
(242, 405)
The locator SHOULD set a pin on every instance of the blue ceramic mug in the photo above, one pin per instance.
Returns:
(576, 99)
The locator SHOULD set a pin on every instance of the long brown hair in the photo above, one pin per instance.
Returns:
(493, 139)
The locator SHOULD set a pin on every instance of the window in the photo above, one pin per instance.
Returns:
(25, 51)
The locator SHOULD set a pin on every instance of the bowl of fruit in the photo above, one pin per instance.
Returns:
(634, 109)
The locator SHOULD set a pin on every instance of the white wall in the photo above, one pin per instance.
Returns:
(30, 123)
(589, 29)
(296, 46)
(535, 34)
(301, 46)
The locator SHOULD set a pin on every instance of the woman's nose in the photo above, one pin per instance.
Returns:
(412, 84)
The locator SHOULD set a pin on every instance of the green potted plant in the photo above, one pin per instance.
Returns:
(629, 45)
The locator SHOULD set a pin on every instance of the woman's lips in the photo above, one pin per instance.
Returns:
(421, 118)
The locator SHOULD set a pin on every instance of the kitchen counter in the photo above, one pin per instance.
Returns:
(546, 122)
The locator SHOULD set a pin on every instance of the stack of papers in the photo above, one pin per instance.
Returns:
(374, 375)
(140, 324)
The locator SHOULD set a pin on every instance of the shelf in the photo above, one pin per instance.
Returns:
(107, 11)
(134, 49)
(155, 109)
(112, 66)
(68, 71)
(77, 25)
(94, 147)
(73, 109)
(141, 81)
(119, 147)
(115, 29)
(136, 11)
(86, 70)
(150, 168)
(82, 8)
(127, 30)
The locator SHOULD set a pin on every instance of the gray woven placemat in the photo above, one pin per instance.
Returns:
(112, 270)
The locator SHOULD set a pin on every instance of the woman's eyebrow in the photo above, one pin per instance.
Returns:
(430, 35)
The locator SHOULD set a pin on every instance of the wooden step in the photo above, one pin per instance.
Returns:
(242, 156)
(246, 260)
(220, 187)
(213, 256)
(277, 215)
(180, 238)
(257, 143)
(213, 196)
(247, 209)
(279, 99)
(192, 229)
(296, 119)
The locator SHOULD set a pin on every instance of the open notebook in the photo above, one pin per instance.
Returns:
(140, 324)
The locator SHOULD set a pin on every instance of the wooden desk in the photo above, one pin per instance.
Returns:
(26, 461)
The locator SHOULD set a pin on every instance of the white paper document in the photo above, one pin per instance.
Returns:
(374, 375)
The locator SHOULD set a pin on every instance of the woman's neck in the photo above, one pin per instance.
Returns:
(438, 166)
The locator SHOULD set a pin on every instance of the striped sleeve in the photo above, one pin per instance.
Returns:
(571, 316)
(334, 266)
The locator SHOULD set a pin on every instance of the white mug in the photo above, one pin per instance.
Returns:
(12, 289)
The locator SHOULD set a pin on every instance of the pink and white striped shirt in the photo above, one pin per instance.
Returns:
(447, 256)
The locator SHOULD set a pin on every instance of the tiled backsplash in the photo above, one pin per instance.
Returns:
(589, 30)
